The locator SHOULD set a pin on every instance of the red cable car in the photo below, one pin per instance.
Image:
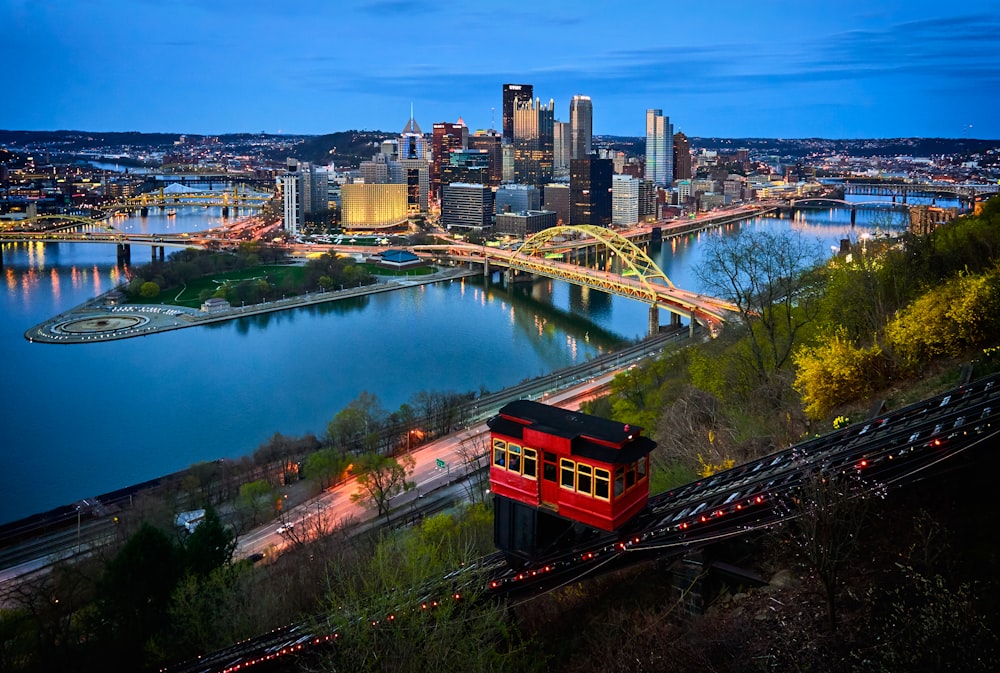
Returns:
(550, 467)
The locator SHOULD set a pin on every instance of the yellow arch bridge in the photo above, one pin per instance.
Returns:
(604, 260)
(165, 197)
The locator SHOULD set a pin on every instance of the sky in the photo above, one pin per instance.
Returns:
(844, 69)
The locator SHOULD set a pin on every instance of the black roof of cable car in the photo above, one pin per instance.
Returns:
(577, 427)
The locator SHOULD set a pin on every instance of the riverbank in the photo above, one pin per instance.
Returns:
(98, 320)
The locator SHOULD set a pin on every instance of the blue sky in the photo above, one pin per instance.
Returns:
(845, 69)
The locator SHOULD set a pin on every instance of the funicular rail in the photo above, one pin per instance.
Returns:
(891, 450)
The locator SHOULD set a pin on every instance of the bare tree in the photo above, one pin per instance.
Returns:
(765, 276)
(473, 453)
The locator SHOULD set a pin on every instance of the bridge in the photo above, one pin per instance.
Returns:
(178, 196)
(888, 188)
(625, 270)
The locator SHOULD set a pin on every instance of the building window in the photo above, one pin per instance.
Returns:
(514, 455)
(499, 452)
(530, 463)
(602, 481)
(566, 473)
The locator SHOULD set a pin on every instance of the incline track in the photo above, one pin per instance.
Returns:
(891, 450)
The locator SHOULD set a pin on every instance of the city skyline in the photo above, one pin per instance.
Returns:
(885, 69)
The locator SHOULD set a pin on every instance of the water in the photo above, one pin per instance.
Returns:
(81, 420)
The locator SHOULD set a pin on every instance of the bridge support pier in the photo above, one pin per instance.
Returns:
(854, 216)
(654, 320)
(162, 252)
(225, 211)
(675, 319)
(1, 256)
(144, 211)
(124, 254)
(486, 268)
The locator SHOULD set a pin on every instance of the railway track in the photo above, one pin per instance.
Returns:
(891, 450)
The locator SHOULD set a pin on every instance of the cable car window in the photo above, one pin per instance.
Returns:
(549, 466)
(619, 481)
(630, 476)
(602, 481)
(566, 473)
(583, 479)
(514, 455)
(641, 468)
(499, 452)
(530, 462)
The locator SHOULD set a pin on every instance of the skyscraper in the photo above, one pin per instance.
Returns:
(659, 148)
(411, 140)
(512, 92)
(590, 191)
(533, 139)
(682, 157)
(491, 142)
(581, 122)
(562, 147)
(445, 139)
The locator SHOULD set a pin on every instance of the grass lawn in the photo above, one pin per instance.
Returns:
(189, 294)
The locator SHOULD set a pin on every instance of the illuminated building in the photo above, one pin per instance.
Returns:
(366, 206)
(581, 121)
(469, 166)
(533, 129)
(490, 141)
(445, 138)
(411, 141)
(590, 191)
(468, 206)
(511, 93)
(624, 200)
(659, 148)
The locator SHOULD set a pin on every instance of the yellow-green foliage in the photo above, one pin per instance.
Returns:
(707, 469)
(834, 372)
(963, 312)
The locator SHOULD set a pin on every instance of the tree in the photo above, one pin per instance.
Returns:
(765, 275)
(835, 371)
(256, 498)
(380, 478)
(210, 545)
(325, 466)
(473, 453)
(149, 290)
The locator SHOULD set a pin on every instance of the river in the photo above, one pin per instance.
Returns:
(82, 420)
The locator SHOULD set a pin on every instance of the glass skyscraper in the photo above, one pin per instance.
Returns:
(659, 148)
(581, 122)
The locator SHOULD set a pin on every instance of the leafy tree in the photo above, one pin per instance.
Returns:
(149, 290)
(210, 545)
(380, 478)
(134, 593)
(835, 371)
(256, 498)
(356, 426)
(325, 466)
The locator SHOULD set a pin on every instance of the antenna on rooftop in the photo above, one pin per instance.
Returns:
(493, 123)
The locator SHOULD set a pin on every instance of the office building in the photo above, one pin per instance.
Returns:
(524, 223)
(376, 171)
(648, 192)
(367, 207)
(562, 146)
(624, 200)
(590, 191)
(659, 148)
(469, 166)
(466, 206)
(445, 138)
(511, 93)
(411, 141)
(533, 129)
(290, 196)
(515, 198)
(581, 121)
(682, 157)
(304, 191)
(556, 198)
(490, 141)
(416, 175)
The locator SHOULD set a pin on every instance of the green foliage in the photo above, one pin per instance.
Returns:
(210, 545)
(149, 289)
(256, 498)
(380, 478)
(326, 466)
(835, 371)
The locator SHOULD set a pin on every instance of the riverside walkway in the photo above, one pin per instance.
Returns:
(99, 320)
